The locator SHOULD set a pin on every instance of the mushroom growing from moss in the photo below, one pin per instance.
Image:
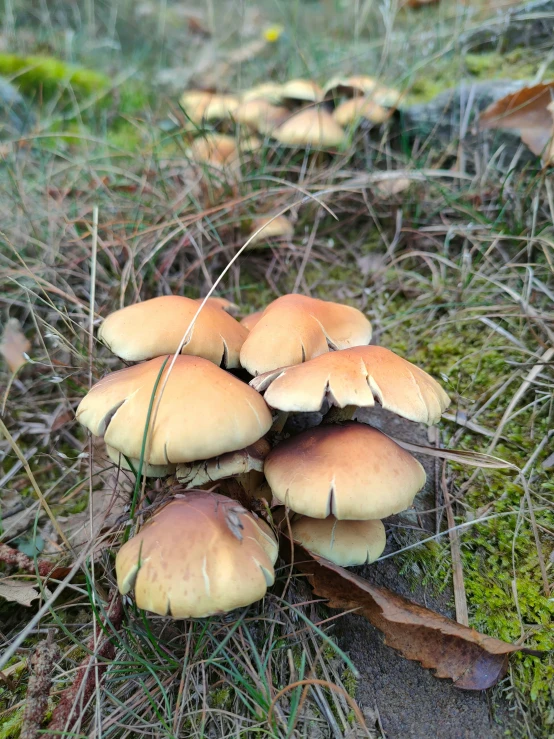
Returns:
(156, 327)
(296, 328)
(199, 555)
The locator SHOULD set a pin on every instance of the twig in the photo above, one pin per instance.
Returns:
(11, 556)
(460, 598)
(38, 691)
(90, 670)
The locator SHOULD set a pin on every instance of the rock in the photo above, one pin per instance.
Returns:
(527, 25)
(451, 117)
(15, 115)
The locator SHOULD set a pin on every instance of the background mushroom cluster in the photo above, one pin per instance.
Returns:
(206, 405)
(297, 113)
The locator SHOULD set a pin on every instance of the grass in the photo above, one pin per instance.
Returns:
(455, 272)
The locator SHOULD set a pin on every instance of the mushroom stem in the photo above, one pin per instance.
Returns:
(339, 415)
(280, 421)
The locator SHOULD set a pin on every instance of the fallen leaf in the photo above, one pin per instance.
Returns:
(473, 661)
(14, 345)
(530, 111)
(18, 591)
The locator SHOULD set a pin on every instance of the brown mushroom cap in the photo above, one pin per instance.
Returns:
(260, 115)
(313, 127)
(346, 543)
(231, 308)
(231, 464)
(352, 472)
(215, 149)
(194, 103)
(270, 91)
(362, 86)
(199, 555)
(359, 376)
(156, 327)
(301, 91)
(295, 328)
(250, 321)
(351, 111)
(203, 412)
(273, 227)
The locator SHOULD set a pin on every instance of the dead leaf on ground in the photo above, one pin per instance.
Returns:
(14, 345)
(471, 660)
(18, 591)
(530, 111)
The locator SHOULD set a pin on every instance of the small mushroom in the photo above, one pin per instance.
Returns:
(260, 115)
(199, 555)
(360, 377)
(278, 227)
(296, 328)
(350, 112)
(314, 127)
(362, 86)
(352, 472)
(270, 91)
(346, 543)
(204, 411)
(301, 91)
(200, 105)
(156, 327)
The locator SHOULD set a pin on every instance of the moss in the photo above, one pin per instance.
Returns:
(11, 725)
(222, 699)
(45, 75)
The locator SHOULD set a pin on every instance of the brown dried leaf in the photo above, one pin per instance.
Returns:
(14, 345)
(472, 660)
(530, 111)
(18, 591)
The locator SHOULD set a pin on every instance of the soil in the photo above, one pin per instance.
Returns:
(409, 701)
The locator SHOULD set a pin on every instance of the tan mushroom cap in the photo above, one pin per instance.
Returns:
(260, 115)
(156, 327)
(250, 321)
(194, 103)
(351, 472)
(203, 412)
(215, 149)
(311, 127)
(199, 555)
(273, 227)
(295, 328)
(150, 470)
(270, 91)
(362, 86)
(359, 376)
(351, 111)
(231, 464)
(346, 543)
(223, 304)
(221, 107)
(301, 90)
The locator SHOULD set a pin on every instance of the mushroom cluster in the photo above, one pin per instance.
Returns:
(184, 411)
(297, 113)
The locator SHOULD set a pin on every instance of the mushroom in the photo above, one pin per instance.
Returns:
(296, 328)
(346, 543)
(251, 320)
(313, 127)
(233, 464)
(156, 327)
(351, 111)
(358, 377)
(204, 411)
(274, 227)
(260, 115)
(200, 105)
(362, 86)
(216, 150)
(132, 465)
(352, 472)
(270, 91)
(222, 303)
(301, 91)
(199, 555)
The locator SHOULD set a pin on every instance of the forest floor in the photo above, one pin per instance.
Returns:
(443, 237)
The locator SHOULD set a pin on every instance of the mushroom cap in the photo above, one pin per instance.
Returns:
(310, 127)
(270, 91)
(350, 111)
(273, 227)
(357, 376)
(251, 320)
(215, 149)
(302, 90)
(223, 304)
(220, 107)
(199, 555)
(295, 328)
(231, 464)
(352, 472)
(194, 103)
(156, 327)
(260, 115)
(350, 86)
(203, 412)
(346, 543)
(150, 470)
